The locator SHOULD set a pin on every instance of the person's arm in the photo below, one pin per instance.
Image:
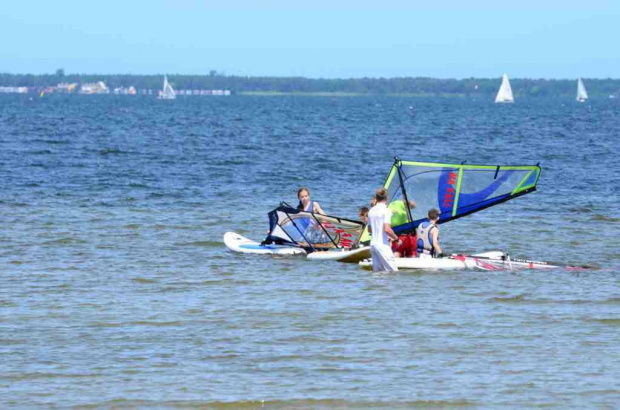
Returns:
(387, 226)
(390, 232)
(317, 209)
(435, 237)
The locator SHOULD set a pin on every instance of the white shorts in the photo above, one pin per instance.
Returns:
(383, 259)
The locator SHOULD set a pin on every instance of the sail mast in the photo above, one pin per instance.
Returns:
(402, 187)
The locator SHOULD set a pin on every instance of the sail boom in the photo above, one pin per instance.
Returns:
(470, 166)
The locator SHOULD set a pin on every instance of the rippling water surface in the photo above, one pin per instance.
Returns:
(116, 288)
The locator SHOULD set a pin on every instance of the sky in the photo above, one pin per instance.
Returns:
(314, 38)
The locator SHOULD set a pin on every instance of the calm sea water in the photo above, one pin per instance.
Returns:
(116, 288)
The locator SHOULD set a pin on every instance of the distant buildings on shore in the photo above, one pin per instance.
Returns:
(14, 90)
(125, 91)
(100, 88)
(94, 88)
(203, 92)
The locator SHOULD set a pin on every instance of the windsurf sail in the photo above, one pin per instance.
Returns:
(455, 190)
(311, 231)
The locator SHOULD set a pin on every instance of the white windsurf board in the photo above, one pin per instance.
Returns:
(341, 255)
(239, 243)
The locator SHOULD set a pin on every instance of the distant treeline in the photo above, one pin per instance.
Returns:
(522, 87)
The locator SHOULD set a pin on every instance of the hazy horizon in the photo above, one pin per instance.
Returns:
(172, 75)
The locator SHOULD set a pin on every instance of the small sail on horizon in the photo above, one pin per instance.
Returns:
(582, 94)
(504, 95)
(167, 92)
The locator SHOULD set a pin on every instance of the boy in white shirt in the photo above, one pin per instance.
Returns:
(379, 225)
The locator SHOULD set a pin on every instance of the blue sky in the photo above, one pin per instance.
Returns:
(334, 39)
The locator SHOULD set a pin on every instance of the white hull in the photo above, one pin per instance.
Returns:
(488, 261)
(341, 255)
(422, 264)
(241, 244)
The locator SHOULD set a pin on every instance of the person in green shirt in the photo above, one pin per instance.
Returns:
(399, 211)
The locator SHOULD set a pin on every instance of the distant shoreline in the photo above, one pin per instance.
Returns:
(319, 87)
(345, 94)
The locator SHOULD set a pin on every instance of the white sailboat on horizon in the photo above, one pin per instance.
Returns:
(167, 92)
(504, 95)
(582, 94)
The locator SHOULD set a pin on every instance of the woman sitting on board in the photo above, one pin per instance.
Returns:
(307, 205)
(309, 226)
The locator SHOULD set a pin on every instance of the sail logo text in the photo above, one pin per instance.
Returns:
(448, 198)
(345, 237)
